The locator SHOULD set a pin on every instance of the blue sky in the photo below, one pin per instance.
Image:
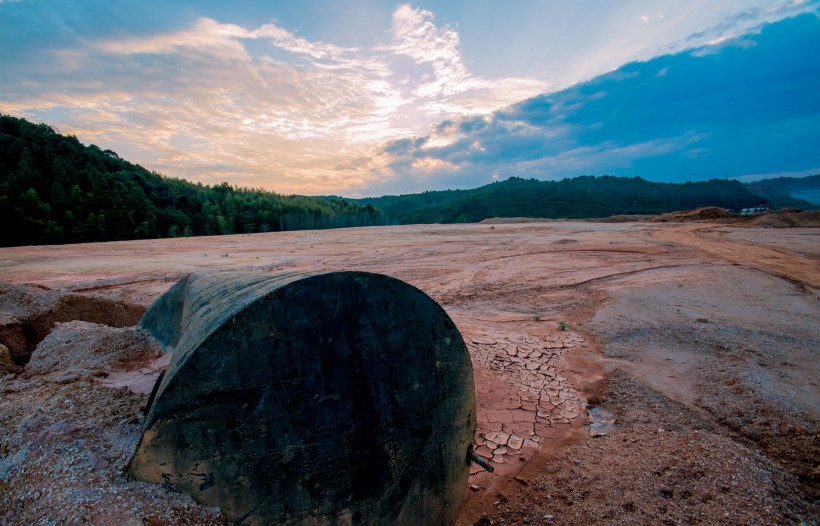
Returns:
(364, 98)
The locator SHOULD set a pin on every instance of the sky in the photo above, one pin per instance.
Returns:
(364, 97)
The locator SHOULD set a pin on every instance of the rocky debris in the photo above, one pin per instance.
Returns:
(788, 218)
(63, 449)
(687, 474)
(6, 364)
(79, 347)
(139, 381)
(29, 312)
(752, 368)
(542, 397)
(601, 421)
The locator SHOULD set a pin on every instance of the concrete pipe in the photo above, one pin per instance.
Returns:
(336, 398)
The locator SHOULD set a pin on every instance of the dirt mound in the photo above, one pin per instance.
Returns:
(787, 218)
(698, 214)
(512, 220)
(79, 346)
(624, 218)
(29, 312)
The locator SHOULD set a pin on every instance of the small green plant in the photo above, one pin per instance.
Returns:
(562, 325)
(538, 317)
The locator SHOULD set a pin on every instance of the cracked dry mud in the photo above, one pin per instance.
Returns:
(694, 346)
(542, 397)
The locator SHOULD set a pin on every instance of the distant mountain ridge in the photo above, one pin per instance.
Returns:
(798, 192)
(573, 198)
(55, 190)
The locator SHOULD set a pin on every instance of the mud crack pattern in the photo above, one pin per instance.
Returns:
(541, 397)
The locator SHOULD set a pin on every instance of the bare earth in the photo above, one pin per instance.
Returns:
(683, 390)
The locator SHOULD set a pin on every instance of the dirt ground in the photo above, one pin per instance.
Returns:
(626, 373)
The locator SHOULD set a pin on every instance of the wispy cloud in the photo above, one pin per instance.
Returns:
(259, 105)
(746, 20)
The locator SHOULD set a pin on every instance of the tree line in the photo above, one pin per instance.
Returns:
(53, 190)
(570, 198)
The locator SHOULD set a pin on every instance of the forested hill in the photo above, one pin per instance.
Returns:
(576, 198)
(54, 190)
(799, 192)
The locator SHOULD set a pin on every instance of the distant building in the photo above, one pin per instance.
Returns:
(755, 210)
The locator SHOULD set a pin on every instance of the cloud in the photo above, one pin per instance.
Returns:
(751, 20)
(416, 36)
(261, 105)
(746, 106)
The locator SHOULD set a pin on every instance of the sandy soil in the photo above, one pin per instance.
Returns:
(690, 348)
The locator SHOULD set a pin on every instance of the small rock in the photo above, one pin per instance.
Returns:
(498, 437)
(6, 364)
(474, 487)
(515, 441)
(97, 462)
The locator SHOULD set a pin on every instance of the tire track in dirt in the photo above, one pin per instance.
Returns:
(789, 265)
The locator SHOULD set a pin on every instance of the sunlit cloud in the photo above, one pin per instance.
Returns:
(259, 105)
(428, 164)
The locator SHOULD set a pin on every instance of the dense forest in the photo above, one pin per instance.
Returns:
(799, 192)
(576, 198)
(55, 190)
